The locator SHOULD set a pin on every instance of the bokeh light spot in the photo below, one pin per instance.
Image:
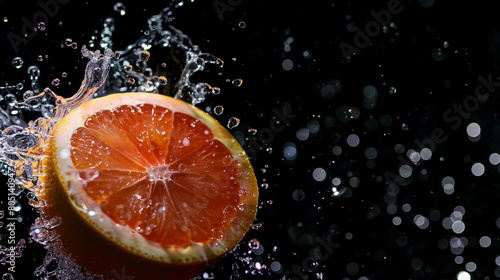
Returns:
(473, 130)
(477, 169)
(353, 140)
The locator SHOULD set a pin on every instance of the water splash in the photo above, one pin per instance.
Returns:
(130, 71)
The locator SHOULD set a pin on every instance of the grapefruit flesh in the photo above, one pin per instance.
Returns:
(147, 184)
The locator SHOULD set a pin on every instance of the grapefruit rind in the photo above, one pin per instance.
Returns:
(124, 236)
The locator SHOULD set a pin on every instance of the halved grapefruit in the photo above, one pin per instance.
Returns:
(148, 186)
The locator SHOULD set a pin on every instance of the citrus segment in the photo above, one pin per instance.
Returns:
(151, 175)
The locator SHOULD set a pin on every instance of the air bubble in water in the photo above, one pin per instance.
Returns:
(218, 110)
(392, 90)
(17, 62)
(41, 26)
(237, 82)
(233, 122)
(264, 186)
(131, 80)
(242, 24)
(74, 46)
(40, 58)
(64, 74)
(68, 42)
(120, 8)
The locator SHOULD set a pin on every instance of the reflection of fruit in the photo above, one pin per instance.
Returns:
(147, 185)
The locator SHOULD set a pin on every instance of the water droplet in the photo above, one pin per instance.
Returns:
(17, 62)
(215, 90)
(144, 56)
(254, 244)
(56, 82)
(68, 42)
(163, 80)
(40, 58)
(257, 226)
(120, 8)
(7, 276)
(109, 23)
(28, 94)
(41, 26)
(34, 71)
(200, 61)
(233, 122)
(182, 167)
(242, 24)
(218, 110)
(127, 68)
(237, 82)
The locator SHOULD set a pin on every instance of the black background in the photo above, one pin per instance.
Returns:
(402, 58)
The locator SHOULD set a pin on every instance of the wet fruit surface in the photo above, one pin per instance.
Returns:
(153, 180)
